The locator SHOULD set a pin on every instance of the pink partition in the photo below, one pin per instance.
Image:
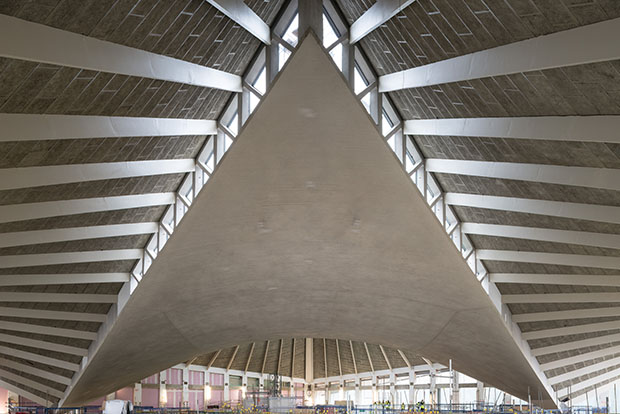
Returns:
(216, 379)
(153, 379)
(196, 399)
(150, 397)
(4, 401)
(236, 395)
(196, 378)
(175, 398)
(174, 376)
(217, 397)
(125, 394)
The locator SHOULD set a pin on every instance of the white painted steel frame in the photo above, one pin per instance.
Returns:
(47, 330)
(579, 260)
(375, 16)
(539, 53)
(559, 363)
(598, 379)
(24, 260)
(556, 279)
(566, 314)
(598, 128)
(245, 17)
(604, 297)
(21, 39)
(567, 346)
(584, 371)
(571, 330)
(62, 278)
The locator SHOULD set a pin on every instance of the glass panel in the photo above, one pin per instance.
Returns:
(336, 54)
(291, 35)
(261, 81)
(366, 101)
(330, 36)
(233, 125)
(283, 55)
(254, 101)
(359, 82)
(386, 124)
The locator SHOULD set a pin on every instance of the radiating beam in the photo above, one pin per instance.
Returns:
(539, 53)
(567, 314)
(24, 238)
(39, 358)
(584, 371)
(578, 211)
(577, 359)
(35, 371)
(56, 297)
(63, 279)
(604, 297)
(31, 127)
(30, 383)
(20, 39)
(375, 16)
(579, 260)
(611, 241)
(555, 279)
(48, 330)
(14, 178)
(51, 346)
(596, 380)
(24, 260)
(245, 17)
(605, 178)
(584, 343)
(47, 314)
(33, 211)
(26, 394)
(571, 330)
(555, 128)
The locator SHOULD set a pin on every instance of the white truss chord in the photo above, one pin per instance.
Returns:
(245, 17)
(375, 16)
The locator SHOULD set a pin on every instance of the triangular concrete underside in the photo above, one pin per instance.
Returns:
(309, 228)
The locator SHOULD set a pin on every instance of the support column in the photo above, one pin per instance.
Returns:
(310, 17)
(226, 386)
(163, 395)
(479, 395)
(455, 389)
(412, 400)
(358, 391)
(309, 394)
(207, 389)
(374, 388)
(185, 396)
(137, 394)
(392, 398)
(433, 387)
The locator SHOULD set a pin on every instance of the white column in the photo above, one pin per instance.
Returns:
(137, 394)
(392, 389)
(455, 388)
(412, 387)
(479, 394)
(374, 389)
(185, 396)
(358, 392)
(226, 386)
(433, 387)
(207, 391)
(163, 396)
(309, 374)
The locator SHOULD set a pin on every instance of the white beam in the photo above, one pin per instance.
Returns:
(31, 127)
(245, 17)
(23, 260)
(14, 178)
(584, 371)
(567, 48)
(39, 358)
(32, 397)
(47, 314)
(555, 128)
(51, 346)
(48, 330)
(594, 381)
(571, 330)
(555, 279)
(30, 383)
(56, 297)
(35, 371)
(559, 363)
(63, 279)
(375, 16)
(578, 211)
(20, 39)
(605, 178)
(567, 346)
(605, 297)
(24, 238)
(611, 241)
(567, 314)
(579, 260)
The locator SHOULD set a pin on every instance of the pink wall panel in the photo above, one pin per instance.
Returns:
(174, 376)
(150, 397)
(196, 399)
(235, 396)
(196, 378)
(4, 400)
(217, 396)
(216, 379)
(153, 379)
(125, 394)
(175, 398)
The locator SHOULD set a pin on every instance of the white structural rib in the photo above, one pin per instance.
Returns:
(571, 330)
(578, 211)
(542, 234)
(32, 397)
(14, 178)
(39, 358)
(604, 297)
(605, 178)
(30, 383)
(555, 128)
(20, 39)
(51, 346)
(24, 238)
(56, 297)
(23, 260)
(567, 346)
(56, 315)
(63, 279)
(596, 380)
(32, 211)
(48, 330)
(540, 53)
(567, 314)
(245, 17)
(580, 260)
(584, 371)
(34, 371)
(554, 279)
(379, 13)
(580, 358)
(29, 127)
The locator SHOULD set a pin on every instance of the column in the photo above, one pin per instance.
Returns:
(310, 396)
(412, 400)
(226, 386)
(479, 395)
(137, 394)
(185, 396)
(358, 391)
(392, 389)
(455, 388)
(207, 392)
(433, 387)
(163, 395)
(374, 389)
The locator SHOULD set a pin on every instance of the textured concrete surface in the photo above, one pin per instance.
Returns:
(308, 211)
